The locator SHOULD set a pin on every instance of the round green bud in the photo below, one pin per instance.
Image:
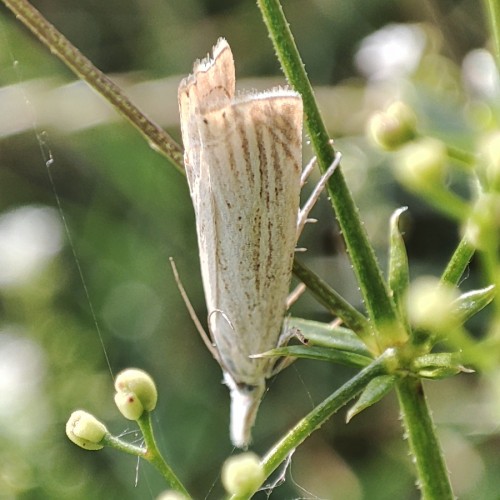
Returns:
(242, 474)
(422, 163)
(138, 388)
(430, 304)
(392, 128)
(85, 430)
(129, 405)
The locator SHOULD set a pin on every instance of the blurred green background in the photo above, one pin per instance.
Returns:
(109, 209)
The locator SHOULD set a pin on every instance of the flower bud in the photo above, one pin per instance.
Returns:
(129, 405)
(242, 474)
(136, 393)
(430, 304)
(393, 127)
(422, 163)
(85, 430)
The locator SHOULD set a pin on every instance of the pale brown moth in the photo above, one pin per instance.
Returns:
(243, 155)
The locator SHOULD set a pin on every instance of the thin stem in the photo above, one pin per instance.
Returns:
(334, 302)
(154, 456)
(461, 156)
(375, 293)
(446, 202)
(118, 444)
(317, 417)
(492, 8)
(433, 477)
(458, 263)
(60, 46)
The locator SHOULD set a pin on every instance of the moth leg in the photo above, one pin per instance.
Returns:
(295, 294)
(308, 206)
(307, 171)
(203, 334)
(286, 335)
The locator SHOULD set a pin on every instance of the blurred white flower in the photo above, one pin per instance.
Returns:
(24, 411)
(29, 237)
(391, 52)
(480, 74)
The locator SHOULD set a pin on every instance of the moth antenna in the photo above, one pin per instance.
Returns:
(308, 206)
(203, 334)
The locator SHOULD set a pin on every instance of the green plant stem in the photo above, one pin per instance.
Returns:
(463, 158)
(334, 302)
(60, 46)
(446, 202)
(375, 293)
(148, 452)
(118, 444)
(433, 476)
(154, 456)
(317, 417)
(492, 8)
(458, 263)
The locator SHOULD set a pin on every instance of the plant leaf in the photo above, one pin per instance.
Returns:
(399, 275)
(326, 335)
(439, 365)
(374, 392)
(470, 303)
(318, 353)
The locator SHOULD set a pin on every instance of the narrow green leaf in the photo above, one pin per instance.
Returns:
(326, 335)
(470, 303)
(458, 262)
(318, 353)
(399, 275)
(374, 392)
(439, 365)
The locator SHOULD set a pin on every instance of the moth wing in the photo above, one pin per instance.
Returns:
(253, 150)
(211, 85)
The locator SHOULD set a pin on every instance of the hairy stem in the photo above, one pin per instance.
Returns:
(458, 263)
(375, 293)
(433, 478)
(154, 456)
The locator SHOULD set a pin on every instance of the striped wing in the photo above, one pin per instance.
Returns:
(253, 149)
(243, 163)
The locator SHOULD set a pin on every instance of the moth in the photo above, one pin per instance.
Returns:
(243, 157)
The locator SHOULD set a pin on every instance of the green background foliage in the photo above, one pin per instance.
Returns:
(127, 211)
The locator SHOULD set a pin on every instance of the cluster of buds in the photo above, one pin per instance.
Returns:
(135, 397)
(135, 393)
